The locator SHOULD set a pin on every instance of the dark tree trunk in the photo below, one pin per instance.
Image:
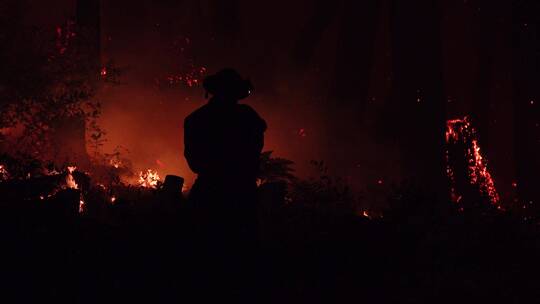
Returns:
(324, 12)
(483, 24)
(69, 142)
(88, 18)
(226, 18)
(226, 26)
(355, 53)
(355, 49)
(492, 108)
(418, 119)
(526, 69)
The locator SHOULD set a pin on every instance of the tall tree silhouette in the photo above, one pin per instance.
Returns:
(417, 95)
(357, 24)
(526, 67)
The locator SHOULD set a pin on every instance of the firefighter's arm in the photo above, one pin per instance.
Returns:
(191, 147)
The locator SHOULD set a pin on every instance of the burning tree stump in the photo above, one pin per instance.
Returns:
(470, 179)
(173, 185)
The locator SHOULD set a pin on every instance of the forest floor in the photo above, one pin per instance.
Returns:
(299, 255)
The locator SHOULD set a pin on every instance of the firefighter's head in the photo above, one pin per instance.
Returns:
(227, 84)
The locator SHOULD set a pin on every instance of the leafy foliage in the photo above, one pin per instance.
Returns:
(110, 169)
(275, 169)
(324, 192)
(48, 75)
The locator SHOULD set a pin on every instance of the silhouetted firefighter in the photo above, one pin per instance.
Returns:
(223, 143)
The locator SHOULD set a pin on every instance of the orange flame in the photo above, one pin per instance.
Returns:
(81, 206)
(149, 178)
(4, 175)
(70, 181)
(115, 163)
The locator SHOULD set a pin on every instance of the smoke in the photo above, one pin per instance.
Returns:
(145, 113)
(160, 43)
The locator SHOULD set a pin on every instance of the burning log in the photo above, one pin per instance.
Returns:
(45, 187)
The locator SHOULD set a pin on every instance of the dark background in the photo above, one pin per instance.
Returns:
(363, 85)
(366, 86)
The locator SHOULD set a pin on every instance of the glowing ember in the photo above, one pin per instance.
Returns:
(51, 172)
(70, 181)
(4, 175)
(190, 78)
(185, 71)
(81, 206)
(113, 199)
(103, 71)
(461, 132)
(149, 178)
(64, 35)
(115, 163)
(71, 184)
